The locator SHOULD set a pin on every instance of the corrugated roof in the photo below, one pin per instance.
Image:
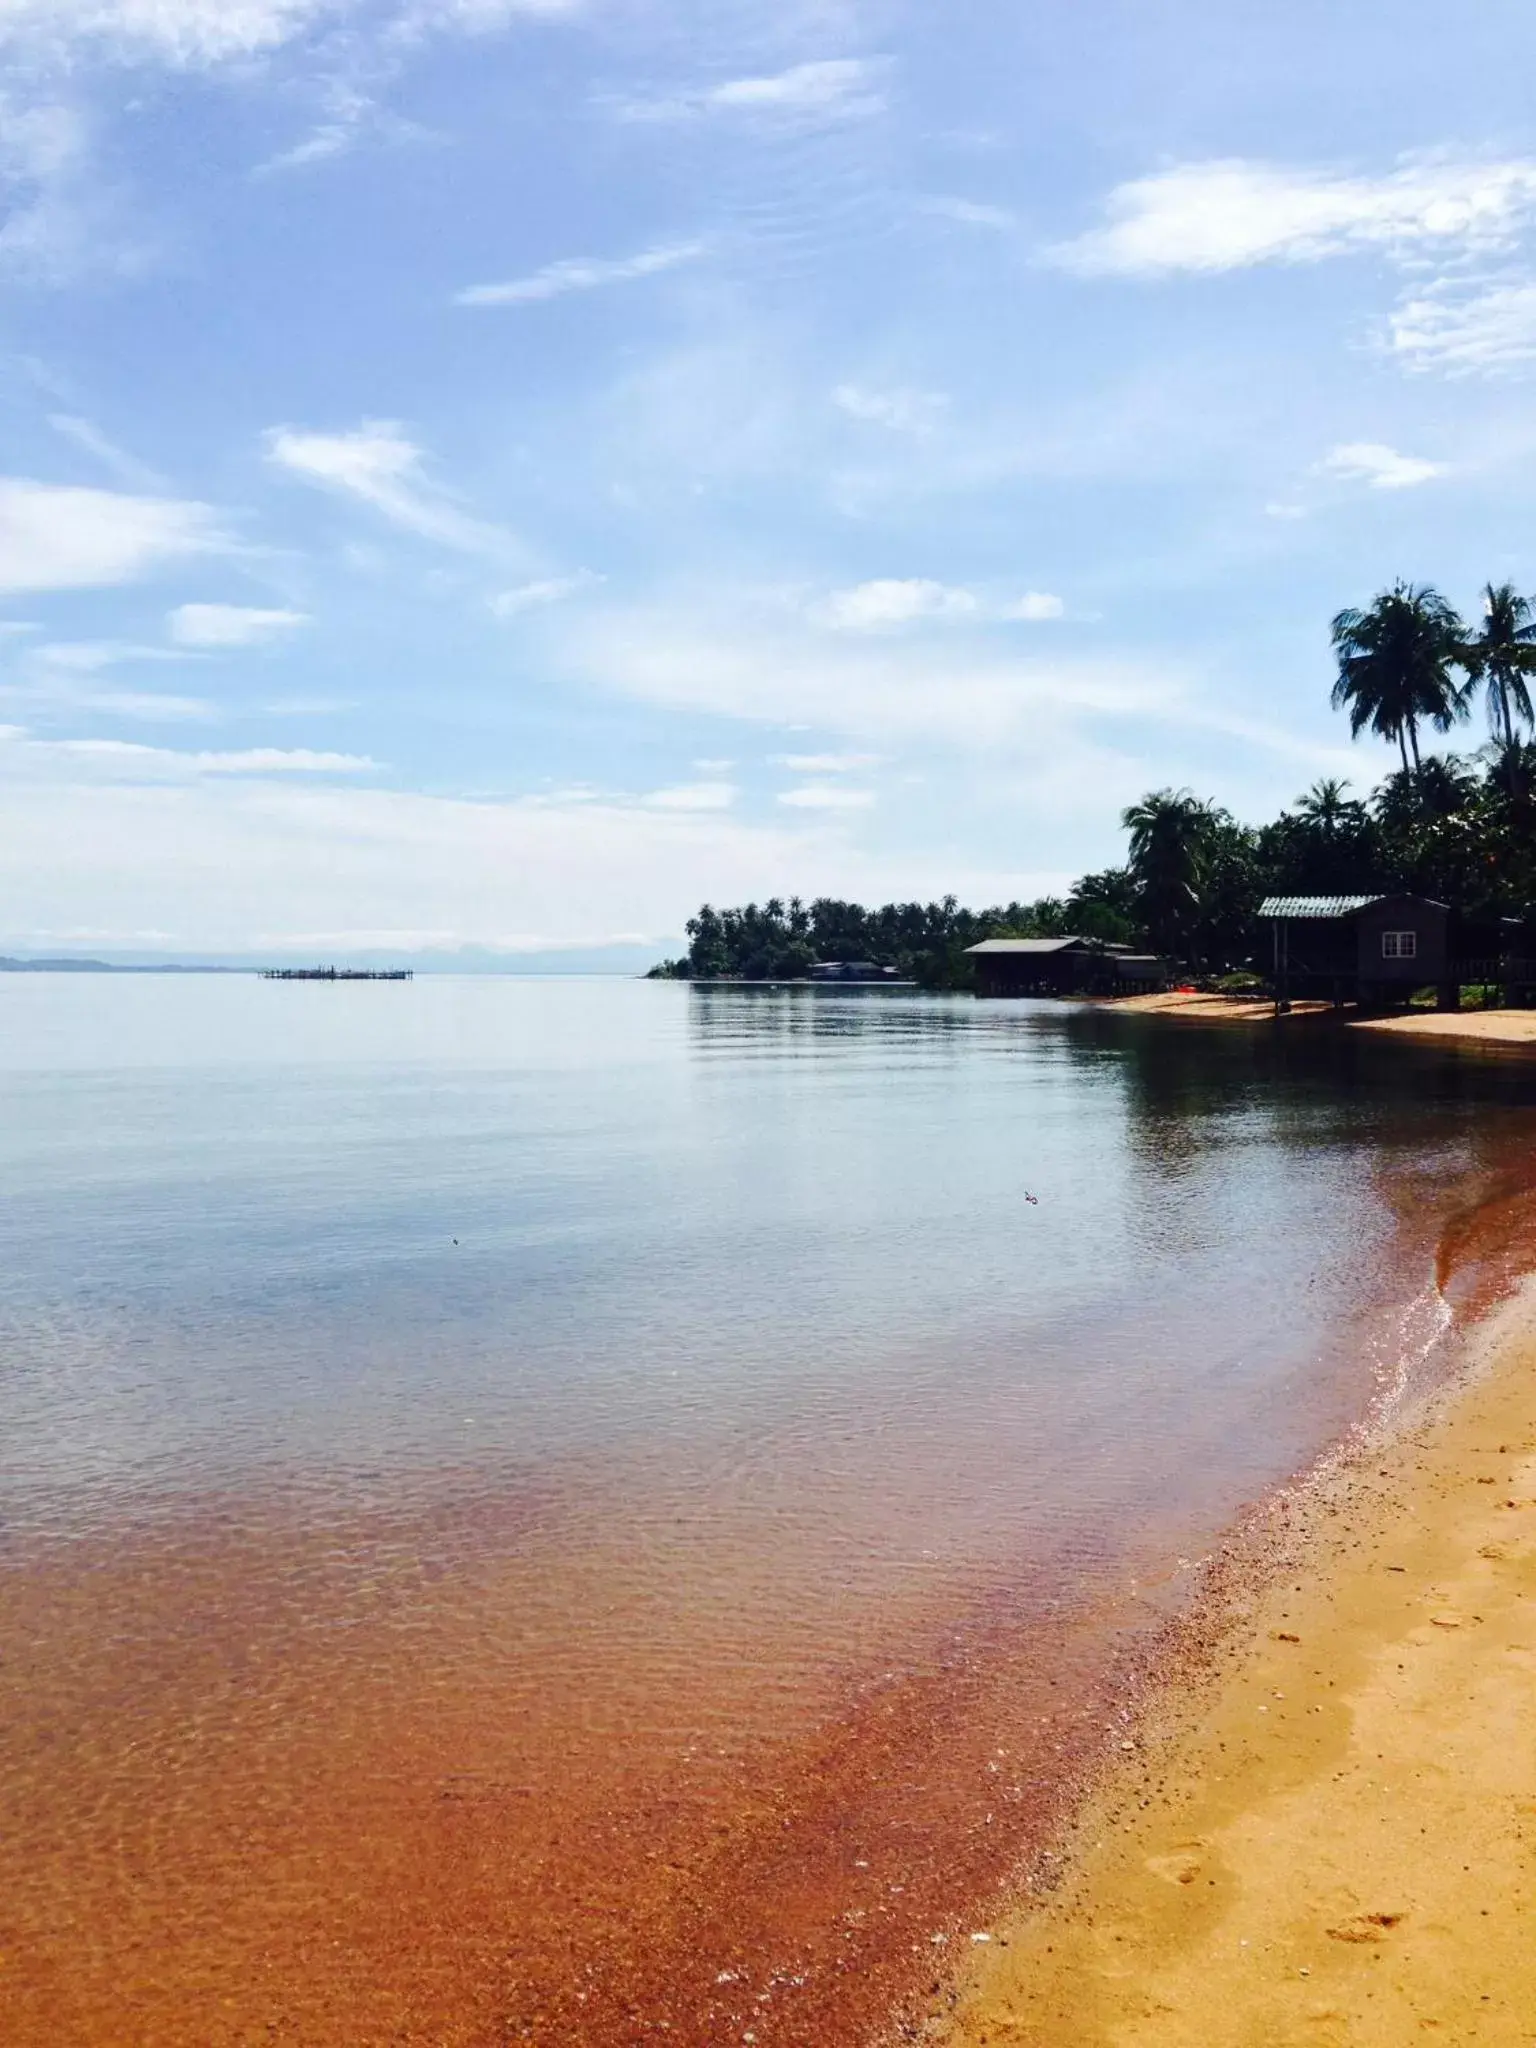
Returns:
(1026, 945)
(1316, 906)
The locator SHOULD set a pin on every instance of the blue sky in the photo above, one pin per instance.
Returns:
(491, 473)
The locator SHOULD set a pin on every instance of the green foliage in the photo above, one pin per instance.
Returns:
(1395, 666)
(924, 942)
(1462, 830)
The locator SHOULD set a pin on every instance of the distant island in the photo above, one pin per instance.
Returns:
(1460, 829)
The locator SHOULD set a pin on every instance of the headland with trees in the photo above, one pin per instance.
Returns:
(1460, 827)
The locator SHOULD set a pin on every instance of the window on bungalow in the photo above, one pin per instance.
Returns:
(1399, 945)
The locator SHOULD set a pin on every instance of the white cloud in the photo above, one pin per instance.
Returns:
(1382, 468)
(904, 410)
(57, 220)
(902, 694)
(838, 88)
(220, 861)
(179, 32)
(693, 796)
(1232, 213)
(134, 759)
(377, 464)
(228, 625)
(58, 537)
(824, 764)
(187, 33)
(582, 274)
(1485, 329)
(827, 796)
(90, 657)
(526, 597)
(891, 602)
(1033, 607)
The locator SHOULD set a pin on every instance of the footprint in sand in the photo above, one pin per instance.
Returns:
(1183, 1866)
(1364, 1927)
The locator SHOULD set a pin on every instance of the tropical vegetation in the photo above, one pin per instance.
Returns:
(1457, 826)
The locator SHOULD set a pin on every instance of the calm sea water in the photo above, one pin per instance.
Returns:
(535, 1509)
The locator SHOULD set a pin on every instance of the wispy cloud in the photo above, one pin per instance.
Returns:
(1232, 213)
(59, 537)
(89, 438)
(349, 119)
(827, 796)
(834, 89)
(891, 602)
(129, 757)
(901, 408)
(693, 796)
(582, 274)
(1485, 329)
(970, 213)
(177, 32)
(527, 597)
(824, 764)
(378, 465)
(228, 625)
(1380, 467)
(189, 33)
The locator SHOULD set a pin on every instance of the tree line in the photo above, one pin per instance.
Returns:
(1459, 827)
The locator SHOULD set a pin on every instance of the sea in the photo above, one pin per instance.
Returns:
(596, 1512)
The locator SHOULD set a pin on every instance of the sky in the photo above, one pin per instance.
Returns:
(480, 477)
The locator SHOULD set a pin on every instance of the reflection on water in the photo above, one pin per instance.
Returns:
(534, 1509)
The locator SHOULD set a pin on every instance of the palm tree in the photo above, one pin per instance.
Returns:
(1395, 663)
(1502, 656)
(1329, 812)
(1171, 839)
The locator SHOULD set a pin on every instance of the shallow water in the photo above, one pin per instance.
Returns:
(574, 1510)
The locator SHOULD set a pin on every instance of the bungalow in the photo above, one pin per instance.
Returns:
(1374, 949)
(1069, 966)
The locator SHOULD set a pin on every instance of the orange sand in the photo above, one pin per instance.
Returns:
(1335, 1842)
(1462, 1027)
(1190, 1006)
(1494, 1029)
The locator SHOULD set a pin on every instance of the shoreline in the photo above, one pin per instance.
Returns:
(1325, 1828)
(1490, 1030)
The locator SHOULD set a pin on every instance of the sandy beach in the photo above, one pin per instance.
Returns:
(1492, 1029)
(1331, 1837)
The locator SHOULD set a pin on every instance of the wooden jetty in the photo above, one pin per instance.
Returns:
(338, 974)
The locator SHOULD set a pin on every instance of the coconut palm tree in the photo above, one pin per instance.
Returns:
(1395, 663)
(1329, 812)
(1502, 657)
(1172, 834)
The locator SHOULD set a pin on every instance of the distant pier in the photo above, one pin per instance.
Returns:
(338, 974)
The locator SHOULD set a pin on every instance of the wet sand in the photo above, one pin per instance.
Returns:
(1330, 1837)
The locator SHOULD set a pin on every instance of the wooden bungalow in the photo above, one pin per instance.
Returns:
(1373, 950)
(1070, 966)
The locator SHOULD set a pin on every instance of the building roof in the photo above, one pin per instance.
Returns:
(1031, 945)
(1316, 906)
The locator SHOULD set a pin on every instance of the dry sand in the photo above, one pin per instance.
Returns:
(1334, 1840)
(1193, 1007)
(1493, 1029)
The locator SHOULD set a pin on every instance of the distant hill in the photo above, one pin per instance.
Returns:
(73, 966)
